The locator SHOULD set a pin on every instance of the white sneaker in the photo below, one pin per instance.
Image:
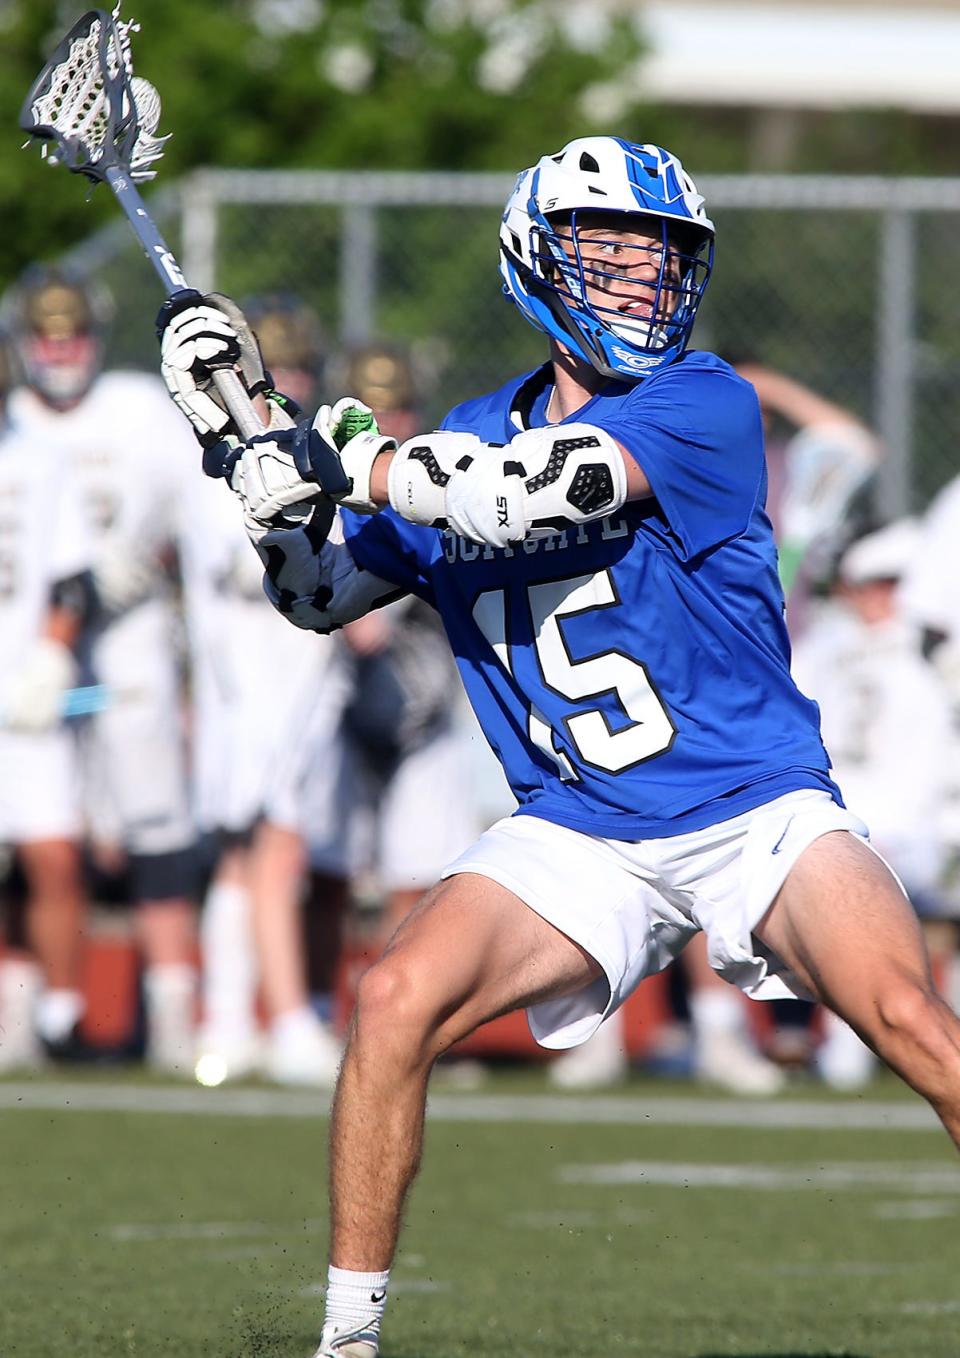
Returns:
(601, 1060)
(360, 1343)
(303, 1051)
(730, 1060)
(222, 1056)
(842, 1060)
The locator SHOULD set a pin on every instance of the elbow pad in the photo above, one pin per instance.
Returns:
(571, 474)
(543, 481)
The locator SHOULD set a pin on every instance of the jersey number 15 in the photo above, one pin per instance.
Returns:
(608, 674)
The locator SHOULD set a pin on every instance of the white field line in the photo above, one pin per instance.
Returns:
(785, 1114)
(580, 1220)
(846, 1174)
(915, 1209)
(187, 1230)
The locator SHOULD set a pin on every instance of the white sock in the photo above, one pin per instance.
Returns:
(229, 977)
(716, 1011)
(170, 994)
(57, 1013)
(354, 1301)
(292, 1025)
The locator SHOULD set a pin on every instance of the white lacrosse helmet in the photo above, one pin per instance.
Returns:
(544, 273)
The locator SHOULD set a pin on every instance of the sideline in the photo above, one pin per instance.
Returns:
(625, 1110)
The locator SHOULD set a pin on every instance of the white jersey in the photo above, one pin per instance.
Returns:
(122, 442)
(43, 538)
(256, 679)
(929, 591)
(886, 723)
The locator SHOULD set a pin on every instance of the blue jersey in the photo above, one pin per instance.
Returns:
(632, 675)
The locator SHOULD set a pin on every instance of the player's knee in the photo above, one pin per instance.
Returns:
(910, 1011)
(393, 1006)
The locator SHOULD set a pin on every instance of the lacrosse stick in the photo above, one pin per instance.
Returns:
(827, 467)
(86, 701)
(102, 121)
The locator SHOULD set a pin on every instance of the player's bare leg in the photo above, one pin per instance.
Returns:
(469, 951)
(301, 1049)
(56, 914)
(841, 922)
(57, 908)
(397, 907)
(166, 930)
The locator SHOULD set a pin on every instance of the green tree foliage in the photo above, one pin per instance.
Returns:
(386, 84)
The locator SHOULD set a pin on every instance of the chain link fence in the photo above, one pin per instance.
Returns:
(847, 284)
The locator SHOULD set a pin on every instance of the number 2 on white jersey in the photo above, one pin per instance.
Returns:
(651, 729)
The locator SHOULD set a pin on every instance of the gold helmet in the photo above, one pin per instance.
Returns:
(382, 376)
(291, 342)
(58, 322)
(57, 309)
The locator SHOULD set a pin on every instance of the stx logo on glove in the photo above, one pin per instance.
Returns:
(503, 512)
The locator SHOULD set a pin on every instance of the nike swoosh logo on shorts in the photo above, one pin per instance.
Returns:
(776, 848)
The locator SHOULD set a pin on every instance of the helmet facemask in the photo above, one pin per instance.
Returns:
(560, 265)
(59, 341)
(625, 287)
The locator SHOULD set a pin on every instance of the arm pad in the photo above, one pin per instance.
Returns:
(541, 482)
(315, 582)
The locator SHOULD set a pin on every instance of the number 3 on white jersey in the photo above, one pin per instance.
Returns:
(651, 730)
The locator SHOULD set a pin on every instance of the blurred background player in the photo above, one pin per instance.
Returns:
(380, 790)
(117, 435)
(821, 460)
(255, 684)
(407, 787)
(887, 726)
(46, 597)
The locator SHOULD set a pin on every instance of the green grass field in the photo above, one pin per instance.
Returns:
(202, 1233)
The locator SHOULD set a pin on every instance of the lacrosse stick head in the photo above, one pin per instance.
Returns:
(89, 109)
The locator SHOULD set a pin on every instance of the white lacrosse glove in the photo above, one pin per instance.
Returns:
(199, 335)
(350, 430)
(33, 700)
(266, 477)
(543, 481)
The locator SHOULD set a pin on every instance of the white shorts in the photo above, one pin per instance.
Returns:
(134, 753)
(39, 787)
(634, 905)
(404, 827)
(260, 688)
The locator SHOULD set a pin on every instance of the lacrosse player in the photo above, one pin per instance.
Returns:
(404, 791)
(594, 538)
(114, 432)
(816, 476)
(46, 596)
(254, 684)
